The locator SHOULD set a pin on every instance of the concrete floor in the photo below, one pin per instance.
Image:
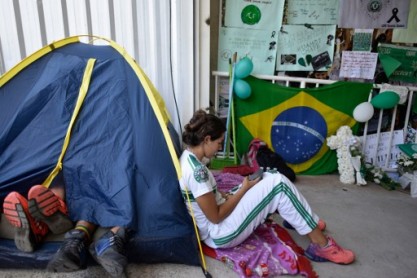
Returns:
(380, 226)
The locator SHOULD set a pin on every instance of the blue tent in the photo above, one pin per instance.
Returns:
(120, 164)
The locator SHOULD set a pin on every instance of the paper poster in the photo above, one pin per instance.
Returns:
(399, 62)
(379, 154)
(258, 45)
(223, 106)
(312, 12)
(358, 64)
(408, 35)
(305, 48)
(254, 14)
(362, 40)
(373, 14)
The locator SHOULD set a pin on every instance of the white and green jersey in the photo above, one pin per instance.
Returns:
(197, 180)
(273, 193)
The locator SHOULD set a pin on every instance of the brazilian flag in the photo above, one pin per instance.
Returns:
(295, 122)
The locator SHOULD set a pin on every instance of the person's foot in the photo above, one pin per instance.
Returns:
(321, 224)
(109, 251)
(332, 252)
(28, 231)
(72, 255)
(49, 208)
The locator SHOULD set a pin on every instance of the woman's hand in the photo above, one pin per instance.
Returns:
(248, 184)
(216, 213)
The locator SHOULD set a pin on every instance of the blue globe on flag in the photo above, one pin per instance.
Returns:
(298, 133)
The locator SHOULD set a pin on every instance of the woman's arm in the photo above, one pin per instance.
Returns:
(216, 213)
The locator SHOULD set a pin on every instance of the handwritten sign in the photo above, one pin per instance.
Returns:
(358, 64)
(258, 45)
(298, 44)
(379, 154)
(312, 12)
(373, 14)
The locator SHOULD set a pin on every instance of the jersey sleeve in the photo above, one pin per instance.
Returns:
(199, 181)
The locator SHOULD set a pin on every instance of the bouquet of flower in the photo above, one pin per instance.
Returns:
(407, 164)
(377, 175)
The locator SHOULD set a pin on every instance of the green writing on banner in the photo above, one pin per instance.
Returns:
(405, 59)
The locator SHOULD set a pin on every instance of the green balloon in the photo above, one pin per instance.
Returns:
(242, 89)
(385, 100)
(243, 68)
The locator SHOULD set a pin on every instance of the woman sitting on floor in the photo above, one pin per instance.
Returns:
(227, 220)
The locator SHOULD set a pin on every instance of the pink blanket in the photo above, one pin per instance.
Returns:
(269, 251)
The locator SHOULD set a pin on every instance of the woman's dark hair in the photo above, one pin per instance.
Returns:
(201, 125)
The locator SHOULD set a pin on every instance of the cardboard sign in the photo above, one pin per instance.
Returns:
(258, 45)
(298, 44)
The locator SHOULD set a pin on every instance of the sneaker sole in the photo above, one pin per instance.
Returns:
(58, 223)
(115, 270)
(63, 264)
(44, 206)
(321, 259)
(111, 266)
(315, 257)
(23, 236)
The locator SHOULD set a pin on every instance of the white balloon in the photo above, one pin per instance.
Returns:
(363, 112)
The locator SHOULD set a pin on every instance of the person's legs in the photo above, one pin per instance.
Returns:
(324, 248)
(72, 255)
(321, 224)
(43, 210)
(109, 251)
(273, 193)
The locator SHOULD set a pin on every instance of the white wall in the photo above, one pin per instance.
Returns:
(165, 37)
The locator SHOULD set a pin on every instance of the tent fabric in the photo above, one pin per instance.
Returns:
(118, 169)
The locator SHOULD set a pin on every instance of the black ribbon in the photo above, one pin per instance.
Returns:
(394, 16)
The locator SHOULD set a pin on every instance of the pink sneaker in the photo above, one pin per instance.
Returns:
(332, 252)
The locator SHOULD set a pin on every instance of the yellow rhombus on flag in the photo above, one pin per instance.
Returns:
(296, 122)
